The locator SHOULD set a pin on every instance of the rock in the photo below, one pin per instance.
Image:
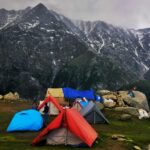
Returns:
(137, 147)
(116, 136)
(102, 92)
(10, 96)
(125, 117)
(139, 101)
(1, 97)
(109, 104)
(110, 96)
(129, 110)
(17, 95)
(121, 139)
(149, 147)
(130, 101)
(99, 105)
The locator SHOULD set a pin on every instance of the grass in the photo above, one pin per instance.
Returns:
(136, 131)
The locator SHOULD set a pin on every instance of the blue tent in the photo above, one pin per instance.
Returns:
(27, 120)
(71, 93)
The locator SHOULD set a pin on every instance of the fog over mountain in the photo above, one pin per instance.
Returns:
(125, 13)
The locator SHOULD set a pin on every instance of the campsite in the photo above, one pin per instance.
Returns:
(131, 133)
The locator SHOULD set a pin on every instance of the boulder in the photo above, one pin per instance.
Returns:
(102, 92)
(110, 96)
(10, 96)
(125, 117)
(130, 101)
(1, 97)
(109, 103)
(137, 147)
(129, 110)
(139, 101)
(99, 105)
(17, 95)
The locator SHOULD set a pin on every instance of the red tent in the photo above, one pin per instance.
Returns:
(76, 126)
(50, 99)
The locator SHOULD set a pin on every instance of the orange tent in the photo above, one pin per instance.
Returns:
(76, 126)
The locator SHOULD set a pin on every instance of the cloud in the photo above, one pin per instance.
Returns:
(126, 13)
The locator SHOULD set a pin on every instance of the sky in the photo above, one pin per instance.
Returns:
(125, 13)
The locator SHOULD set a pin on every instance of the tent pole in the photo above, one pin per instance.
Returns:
(66, 128)
(94, 116)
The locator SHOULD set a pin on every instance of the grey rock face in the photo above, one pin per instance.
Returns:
(40, 48)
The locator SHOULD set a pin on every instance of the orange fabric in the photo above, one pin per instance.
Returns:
(80, 127)
(73, 121)
(56, 123)
(50, 99)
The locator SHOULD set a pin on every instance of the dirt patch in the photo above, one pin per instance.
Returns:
(14, 106)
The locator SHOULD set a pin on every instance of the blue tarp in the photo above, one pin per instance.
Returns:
(27, 120)
(71, 93)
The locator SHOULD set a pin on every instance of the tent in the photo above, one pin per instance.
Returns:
(72, 93)
(27, 120)
(58, 94)
(54, 107)
(53, 110)
(92, 114)
(79, 104)
(68, 128)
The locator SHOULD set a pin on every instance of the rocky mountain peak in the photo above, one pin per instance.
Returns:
(39, 48)
(40, 7)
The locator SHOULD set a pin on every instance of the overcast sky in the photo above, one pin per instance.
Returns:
(126, 13)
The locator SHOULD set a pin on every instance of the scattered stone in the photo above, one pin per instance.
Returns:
(125, 117)
(129, 110)
(137, 147)
(1, 97)
(149, 147)
(121, 139)
(129, 140)
(117, 136)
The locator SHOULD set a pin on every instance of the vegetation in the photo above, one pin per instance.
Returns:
(136, 131)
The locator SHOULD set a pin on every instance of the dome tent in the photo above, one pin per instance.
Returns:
(27, 120)
(92, 114)
(68, 128)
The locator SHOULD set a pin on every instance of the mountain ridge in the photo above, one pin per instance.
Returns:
(41, 47)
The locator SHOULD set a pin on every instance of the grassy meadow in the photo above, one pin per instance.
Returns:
(137, 132)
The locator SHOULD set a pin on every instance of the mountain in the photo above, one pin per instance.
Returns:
(33, 48)
(116, 43)
(40, 48)
(7, 17)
